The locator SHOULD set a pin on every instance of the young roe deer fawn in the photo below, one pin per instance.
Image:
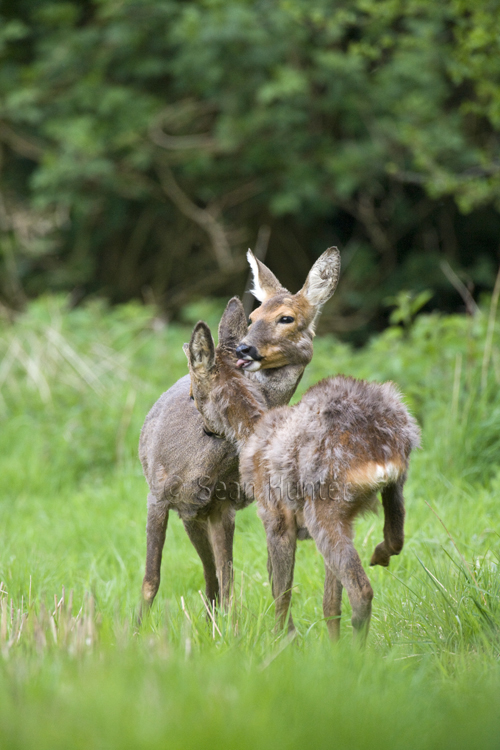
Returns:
(319, 463)
(193, 471)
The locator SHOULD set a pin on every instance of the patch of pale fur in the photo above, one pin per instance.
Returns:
(372, 474)
(257, 290)
(253, 367)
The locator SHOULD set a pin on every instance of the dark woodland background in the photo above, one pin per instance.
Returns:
(145, 144)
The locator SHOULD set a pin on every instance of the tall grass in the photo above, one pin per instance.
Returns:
(74, 390)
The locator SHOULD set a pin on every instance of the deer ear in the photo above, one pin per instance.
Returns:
(265, 283)
(233, 325)
(323, 278)
(201, 349)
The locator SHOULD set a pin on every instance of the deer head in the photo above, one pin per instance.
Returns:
(282, 328)
(228, 402)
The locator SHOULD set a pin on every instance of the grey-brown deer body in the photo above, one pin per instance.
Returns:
(318, 463)
(194, 472)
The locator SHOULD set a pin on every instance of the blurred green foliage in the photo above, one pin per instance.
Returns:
(145, 142)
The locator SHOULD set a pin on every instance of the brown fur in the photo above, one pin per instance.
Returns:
(320, 464)
(196, 474)
(266, 333)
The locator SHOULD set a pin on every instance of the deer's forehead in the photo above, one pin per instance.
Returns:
(295, 305)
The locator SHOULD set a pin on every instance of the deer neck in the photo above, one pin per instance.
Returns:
(241, 404)
(279, 384)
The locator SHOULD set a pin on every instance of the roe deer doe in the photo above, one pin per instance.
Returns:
(193, 471)
(318, 463)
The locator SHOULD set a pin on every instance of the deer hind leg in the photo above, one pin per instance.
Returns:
(334, 540)
(332, 603)
(156, 530)
(198, 532)
(394, 519)
(221, 526)
(281, 534)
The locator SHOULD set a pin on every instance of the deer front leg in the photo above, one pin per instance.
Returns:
(394, 519)
(156, 530)
(333, 539)
(332, 603)
(281, 534)
(198, 532)
(221, 527)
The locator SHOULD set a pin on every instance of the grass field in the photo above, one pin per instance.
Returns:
(74, 390)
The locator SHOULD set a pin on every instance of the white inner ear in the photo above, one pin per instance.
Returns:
(257, 290)
(318, 290)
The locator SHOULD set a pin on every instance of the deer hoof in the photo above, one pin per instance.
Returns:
(380, 556)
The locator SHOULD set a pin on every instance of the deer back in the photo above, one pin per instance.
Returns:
(344, 434)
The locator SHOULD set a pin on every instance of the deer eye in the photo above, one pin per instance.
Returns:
(286, 319)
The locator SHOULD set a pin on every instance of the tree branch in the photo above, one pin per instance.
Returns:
(470, 305)
(200, 216)
(180, 112)
(19, 144)
(182, 294)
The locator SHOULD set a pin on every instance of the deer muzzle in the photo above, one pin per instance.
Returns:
(248, 358)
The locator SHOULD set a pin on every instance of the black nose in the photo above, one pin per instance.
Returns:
(245, 350)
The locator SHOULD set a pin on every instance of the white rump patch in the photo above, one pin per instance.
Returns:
(373, 475)
(388, 472)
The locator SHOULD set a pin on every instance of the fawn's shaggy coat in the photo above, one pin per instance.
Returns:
(315, 465)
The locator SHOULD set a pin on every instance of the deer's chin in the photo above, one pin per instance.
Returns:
(249, 365)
